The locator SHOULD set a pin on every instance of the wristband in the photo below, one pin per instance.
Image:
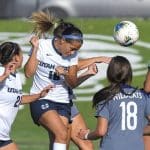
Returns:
(86, 136)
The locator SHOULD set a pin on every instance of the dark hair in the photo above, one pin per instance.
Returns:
(119, 72)
(7, 51)
(44, 22)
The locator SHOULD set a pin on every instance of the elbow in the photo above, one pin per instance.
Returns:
(72, 85)
(27, 74)
(101, 132)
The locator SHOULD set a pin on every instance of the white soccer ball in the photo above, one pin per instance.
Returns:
(126, 33)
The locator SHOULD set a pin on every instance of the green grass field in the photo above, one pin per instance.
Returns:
(24, 132)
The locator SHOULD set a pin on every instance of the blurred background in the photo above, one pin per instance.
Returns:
(76, 8)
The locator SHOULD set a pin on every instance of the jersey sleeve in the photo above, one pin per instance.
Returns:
(39, 52)
(2, 69)
(102, 111)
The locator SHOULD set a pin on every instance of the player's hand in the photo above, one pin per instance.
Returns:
(34, 41)
(82, 134)
(45, 91)
(60, 70)
(10, 68)
(92, 69)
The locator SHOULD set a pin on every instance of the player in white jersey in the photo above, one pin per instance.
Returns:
(54, 61)
(11, 91)
(121, 110)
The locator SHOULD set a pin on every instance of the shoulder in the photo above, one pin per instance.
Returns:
(45, 41)
(2, 69)
(46, 44)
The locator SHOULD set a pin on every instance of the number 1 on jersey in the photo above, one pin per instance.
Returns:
(129, 115)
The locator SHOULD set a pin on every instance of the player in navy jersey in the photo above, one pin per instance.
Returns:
(11, 91)
(55, 61)
(120, 110)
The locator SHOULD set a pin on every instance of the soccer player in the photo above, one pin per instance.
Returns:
(54, 61)
(11, 91)
(120, 110)
(147, 89)
(78, 121)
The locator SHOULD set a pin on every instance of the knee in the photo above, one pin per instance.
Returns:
(61, 136)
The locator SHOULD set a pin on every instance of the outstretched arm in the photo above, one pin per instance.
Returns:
(30, 98)
(147, 80)
(84, 63)
(71, 77)
(99, 132)
(91, 71)
(32, 61)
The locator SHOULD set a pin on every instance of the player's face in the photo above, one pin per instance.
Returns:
(69, 48)
(18, 59)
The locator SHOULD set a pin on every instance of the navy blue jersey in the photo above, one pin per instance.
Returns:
(126, 119)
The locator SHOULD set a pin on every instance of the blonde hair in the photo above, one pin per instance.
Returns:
(43, 22)
(47, 22)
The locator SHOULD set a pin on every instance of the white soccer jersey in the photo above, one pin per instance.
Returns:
(10, 97)
(45, 74)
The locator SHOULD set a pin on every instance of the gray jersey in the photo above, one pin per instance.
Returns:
(125, 115)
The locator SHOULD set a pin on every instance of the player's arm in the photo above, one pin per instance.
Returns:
(30, 98)
(147, 80)
(147, 130)
(100, 131)
(32, 63)
(147, 127)
(84, 63)
(71, 76)
(91, 71)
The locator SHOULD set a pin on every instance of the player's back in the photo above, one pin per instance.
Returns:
(125, 113)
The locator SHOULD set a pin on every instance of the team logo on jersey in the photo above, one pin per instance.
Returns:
(44, 106)
(48, 54)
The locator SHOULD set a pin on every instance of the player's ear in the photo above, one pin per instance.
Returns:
(62, 41)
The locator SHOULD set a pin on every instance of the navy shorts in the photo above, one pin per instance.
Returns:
(4, 143)
(39, 107)
(74, 111)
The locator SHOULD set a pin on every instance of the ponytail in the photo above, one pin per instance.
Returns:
(43, 22)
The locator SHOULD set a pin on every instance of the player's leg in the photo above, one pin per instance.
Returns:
(8, 146)
(52, 138)
(77, 124)
(54, 117)
(56, 124)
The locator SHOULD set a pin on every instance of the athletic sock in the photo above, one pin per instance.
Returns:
(59, 146)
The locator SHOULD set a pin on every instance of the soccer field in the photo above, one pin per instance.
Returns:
(98, 34)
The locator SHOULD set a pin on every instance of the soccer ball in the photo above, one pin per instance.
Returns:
(126, 33)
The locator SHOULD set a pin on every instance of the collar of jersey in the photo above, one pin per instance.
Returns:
(56, 50)
(13, 74)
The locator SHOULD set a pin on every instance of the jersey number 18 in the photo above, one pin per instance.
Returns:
(129, 115)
